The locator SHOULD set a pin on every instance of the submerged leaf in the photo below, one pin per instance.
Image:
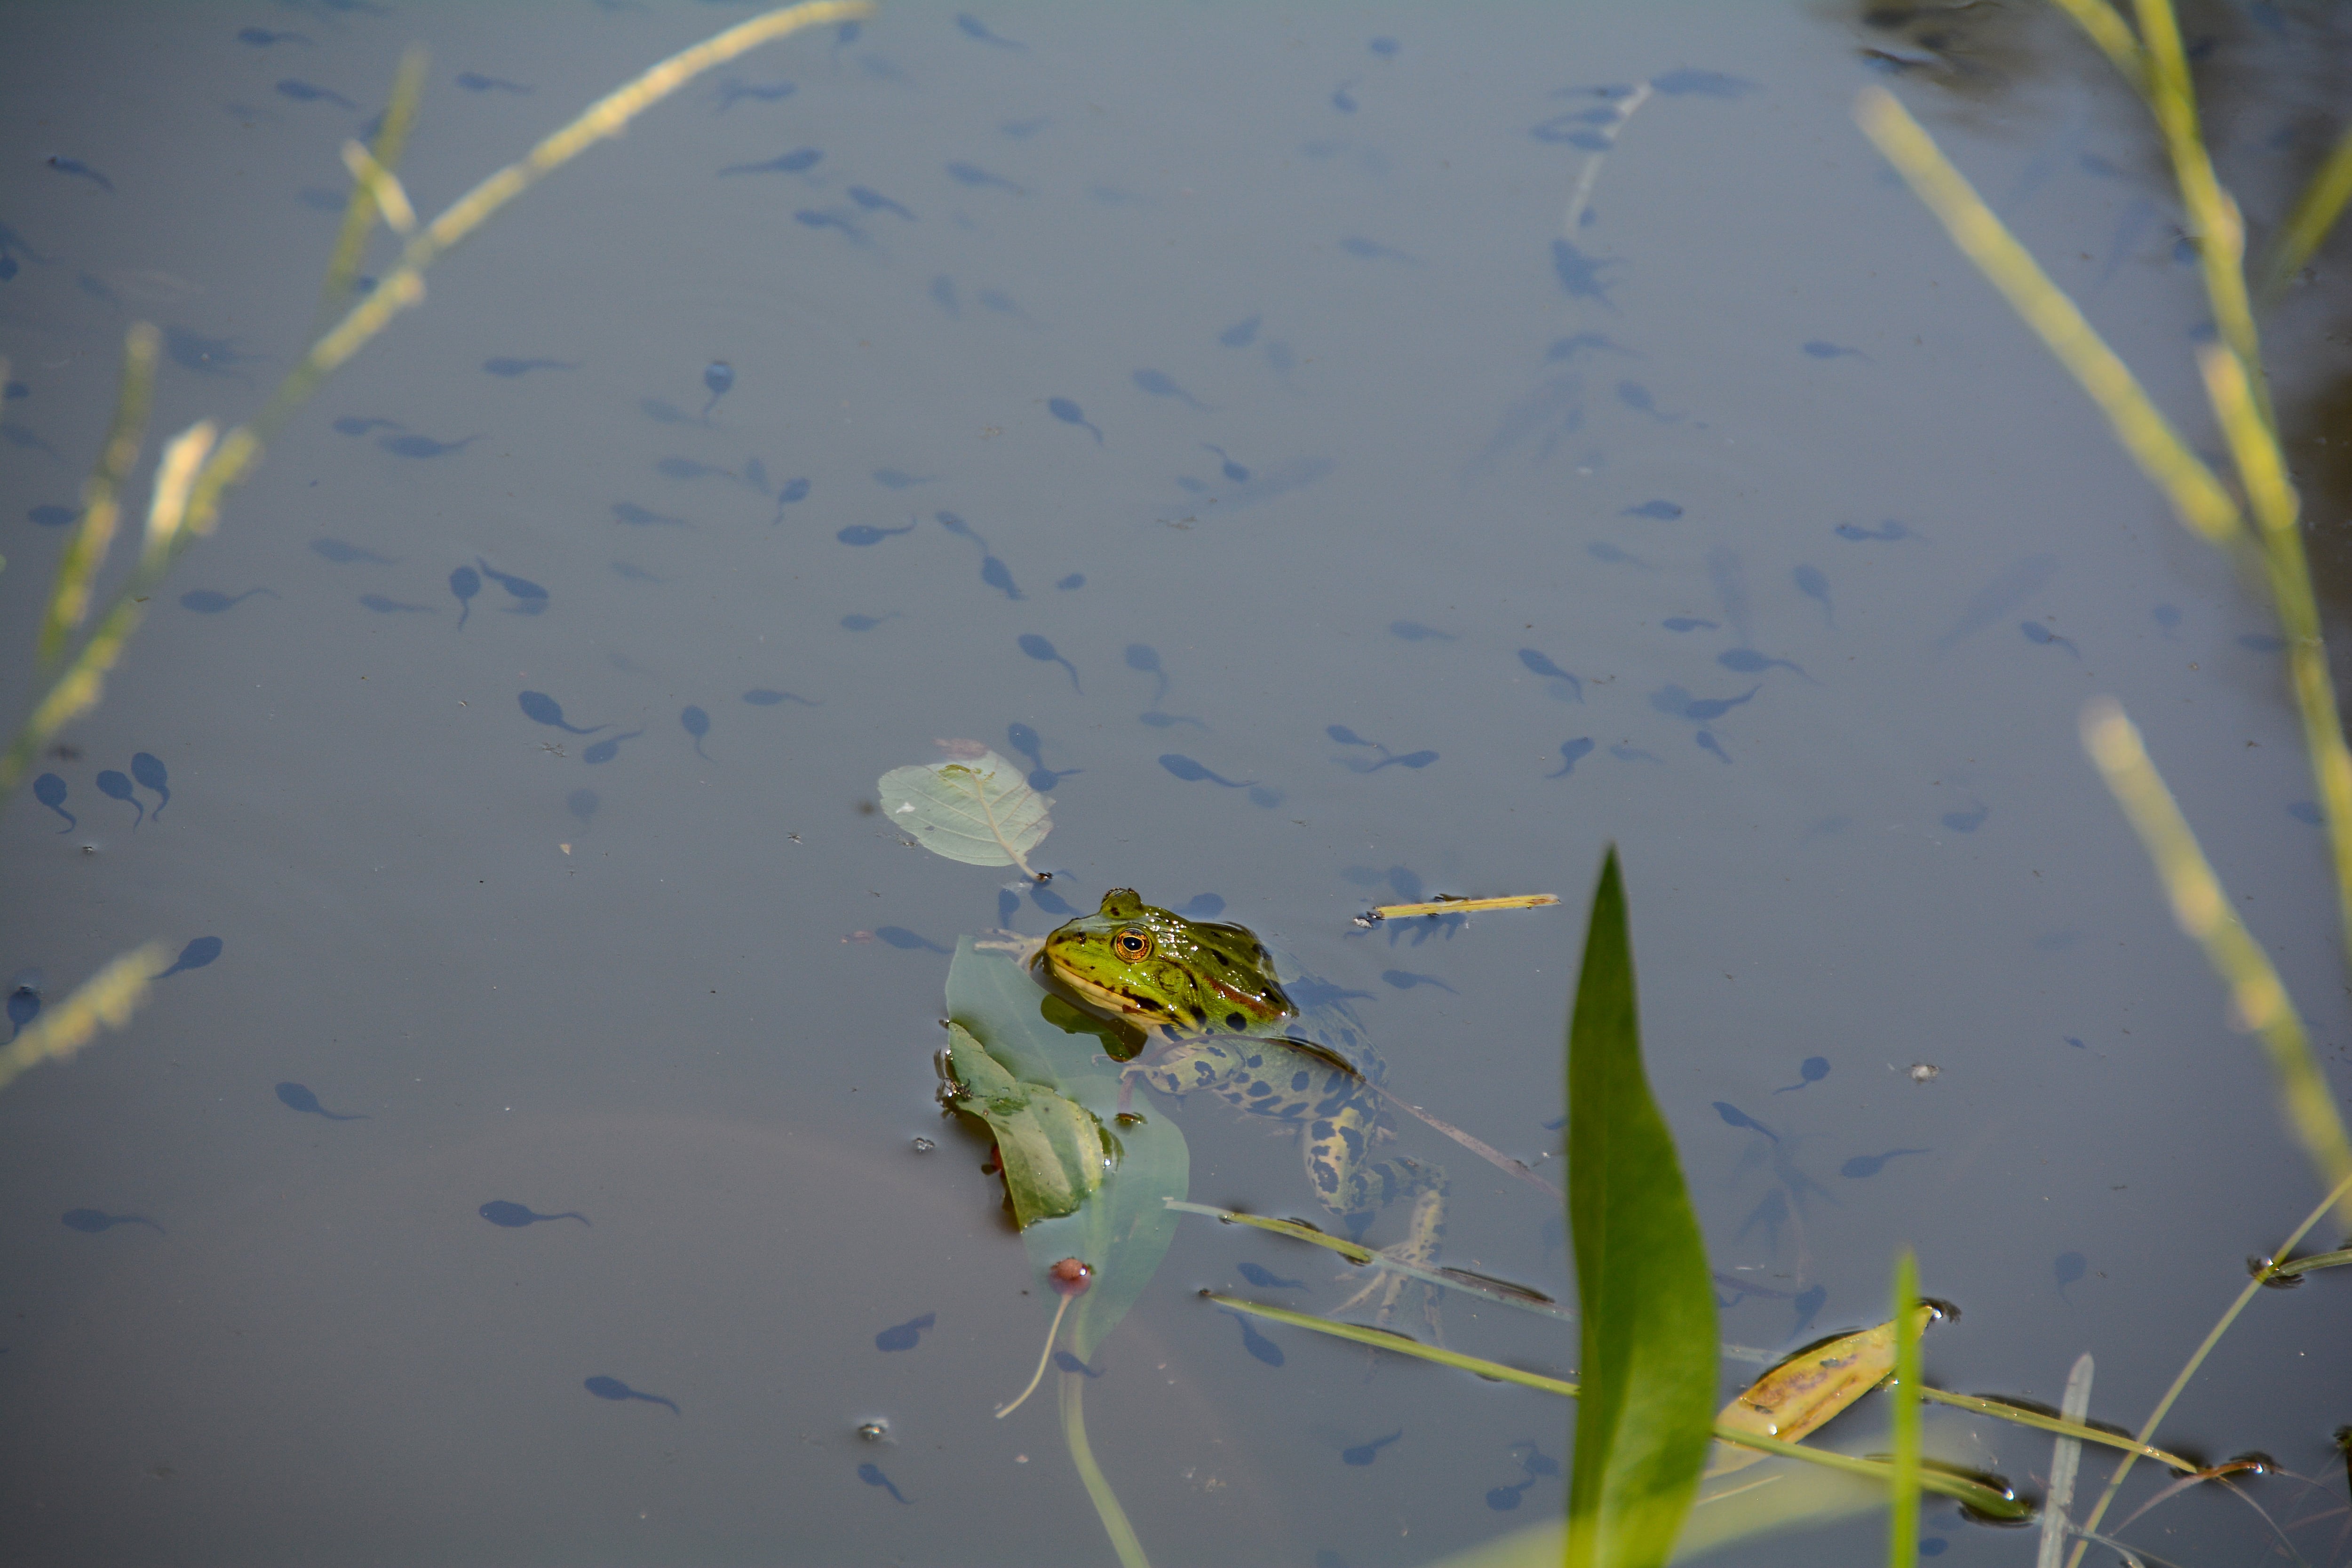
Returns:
(1053, 1152)
(980, 811)
(1802, 1394)
(1648, 1308)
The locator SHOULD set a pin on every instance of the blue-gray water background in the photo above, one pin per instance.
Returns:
(1371, 421)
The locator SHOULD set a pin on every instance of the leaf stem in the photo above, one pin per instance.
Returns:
(1043, 1356)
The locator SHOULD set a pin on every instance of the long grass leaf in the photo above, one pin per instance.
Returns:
(1976, 1494)
(2073, 1428)
(2206, 915)
(2196, 495)
(2314, 214)
(2340, 1193)
(1643, 1287)
(106, 999)
(1902, 1511)
(101, 496)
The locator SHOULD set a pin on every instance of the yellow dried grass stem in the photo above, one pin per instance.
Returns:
(2271, 496)
(83, 682)
(1467, 906)
(106, 999)
(2315, 212)
(2215, 221)
(101, 496)
(2203, 908)
(360, 211)
(2204, 504)
(81, 685)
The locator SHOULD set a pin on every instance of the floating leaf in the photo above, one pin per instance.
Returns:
(1648, 1308)
(980, 811)
(1125, 1229)
(1053, 1152)
(1800, 1395)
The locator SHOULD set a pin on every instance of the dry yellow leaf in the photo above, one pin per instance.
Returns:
(1802, 1394)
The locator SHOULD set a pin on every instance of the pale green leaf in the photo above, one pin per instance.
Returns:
(980, 811)
(1054, 1150)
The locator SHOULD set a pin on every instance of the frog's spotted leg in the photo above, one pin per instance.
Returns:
(1419, 1249)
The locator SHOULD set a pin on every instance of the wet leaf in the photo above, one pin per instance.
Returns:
(1648, 1309)
(1124, 1231)
(980, 811)
(1053, 1152)
(1801, 1395)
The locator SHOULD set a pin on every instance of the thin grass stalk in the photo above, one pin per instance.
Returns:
(101, 496)
(1903, 1504)
(83, 681)
(2271, 497)
(2314, 213)
(1976, 1494)
(2204, 912)
(2072, 1428)
(403, 286)
(2204, 504)
(2342, 1191)
(106, 999)
(240, 450)
(2113, 36)
(360, 212)
(2317, 1261)
(1123, 1538)
(2213, 215)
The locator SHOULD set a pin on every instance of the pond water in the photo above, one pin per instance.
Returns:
(1357, 452)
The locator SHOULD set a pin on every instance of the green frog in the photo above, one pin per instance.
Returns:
(1224, 1024)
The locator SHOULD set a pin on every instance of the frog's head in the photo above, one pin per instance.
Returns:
(1154, 967)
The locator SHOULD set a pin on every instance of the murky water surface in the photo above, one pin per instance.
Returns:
(1355, 454)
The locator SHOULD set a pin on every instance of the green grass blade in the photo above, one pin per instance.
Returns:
(2200, 499)
(1976, 1494)
(101, 496)
(2314, 213)
(1649, 1334)
(360, 212)
(1903, 1512)
(1123, 1535)
(2205, 912)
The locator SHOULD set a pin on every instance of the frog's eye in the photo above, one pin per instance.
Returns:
(1132, 943)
